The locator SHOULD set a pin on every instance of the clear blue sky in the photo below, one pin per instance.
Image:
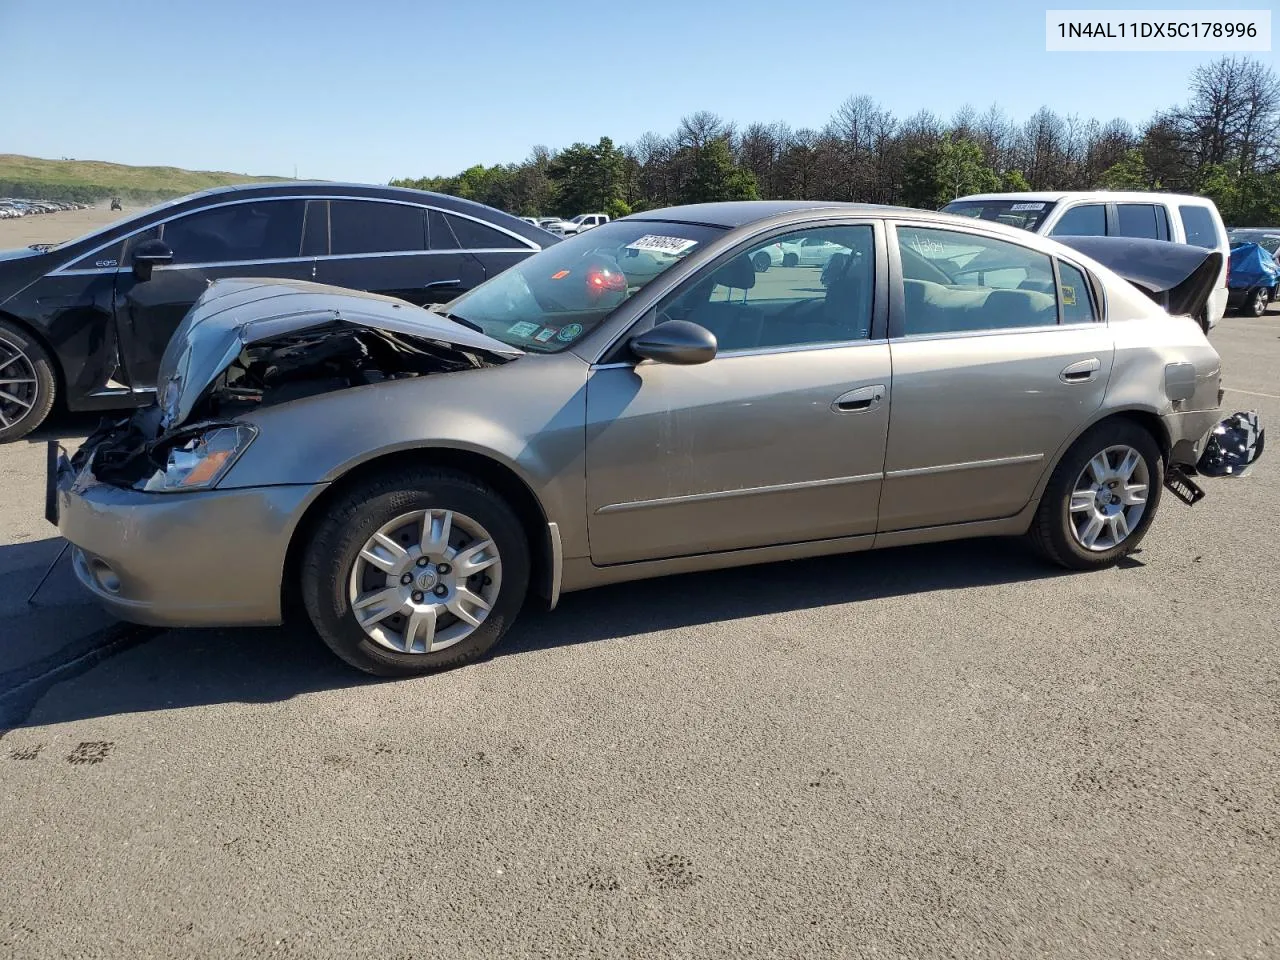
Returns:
(376, 89)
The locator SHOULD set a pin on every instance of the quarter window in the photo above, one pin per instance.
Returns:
(478, 236)
(1086, 220)
(1073, 288)
(368, 226)
(1199, 226)
(809, 287)
(315, 229)
(960, 282)
(441, 233)
(266, 230)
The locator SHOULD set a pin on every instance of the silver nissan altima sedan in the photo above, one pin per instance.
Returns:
(650, 397)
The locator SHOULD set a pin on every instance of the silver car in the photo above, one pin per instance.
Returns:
(639, 401)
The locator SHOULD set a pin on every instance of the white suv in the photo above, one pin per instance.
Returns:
(585, 221)
(1179, 218)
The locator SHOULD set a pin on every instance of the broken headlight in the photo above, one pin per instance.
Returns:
(198, 460)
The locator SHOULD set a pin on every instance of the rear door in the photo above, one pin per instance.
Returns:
(484, 244)
(258, 238)
(998, 357)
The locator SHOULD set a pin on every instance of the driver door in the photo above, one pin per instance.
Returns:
(779, 439)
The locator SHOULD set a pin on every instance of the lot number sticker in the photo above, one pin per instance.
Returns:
(655, 244)
(1027, 206)
(522, 329)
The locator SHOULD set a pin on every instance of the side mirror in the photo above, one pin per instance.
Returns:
(676, 341)
(149, 254)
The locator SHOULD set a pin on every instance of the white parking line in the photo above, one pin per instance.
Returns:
(1252, 393)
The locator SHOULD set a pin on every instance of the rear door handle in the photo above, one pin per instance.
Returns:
(1082, 371)
(860, 400)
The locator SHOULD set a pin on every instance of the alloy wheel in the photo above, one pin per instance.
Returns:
(425, 581)
(1109, 498)
(19, 389)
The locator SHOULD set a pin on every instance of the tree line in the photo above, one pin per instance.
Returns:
(1223, 142)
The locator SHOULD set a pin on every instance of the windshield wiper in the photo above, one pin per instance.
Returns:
(439, 311)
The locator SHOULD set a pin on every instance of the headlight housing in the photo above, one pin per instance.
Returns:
(197, 460)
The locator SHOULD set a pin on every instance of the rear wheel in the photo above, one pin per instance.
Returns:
(790, 260)
(1101, 498)
(762, 262)
(414, 572)
(1255, 304)
(27, 384)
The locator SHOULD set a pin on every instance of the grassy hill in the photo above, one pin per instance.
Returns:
(86, 181)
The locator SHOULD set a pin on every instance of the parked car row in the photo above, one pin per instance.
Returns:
(634, 401)
(10, 208)
(584, 221)
(90, 318)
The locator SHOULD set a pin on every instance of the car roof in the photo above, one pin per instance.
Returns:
(739, 213)
(1059, 195)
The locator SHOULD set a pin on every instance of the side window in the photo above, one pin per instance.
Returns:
(1199, 226)
(473, 235)
(1137, 220)
(809, 287)
(1077, 303)
(961, 282)
(266, 230)
(1162, 223)
(368, 226)
(132, 243)
(1086, 220)
(315, 229)
(441, 233)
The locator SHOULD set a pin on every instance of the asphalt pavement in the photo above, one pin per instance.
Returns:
(941, 751)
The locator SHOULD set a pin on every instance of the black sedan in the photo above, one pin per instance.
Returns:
(88, 320)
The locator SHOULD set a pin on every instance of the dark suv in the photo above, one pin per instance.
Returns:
(89, 319)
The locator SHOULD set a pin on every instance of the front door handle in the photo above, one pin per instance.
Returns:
(859, 401)
(1082, 371)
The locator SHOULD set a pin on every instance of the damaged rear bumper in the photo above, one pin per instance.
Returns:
(177, 559)
(1230, 449)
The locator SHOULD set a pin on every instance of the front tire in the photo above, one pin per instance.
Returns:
(415, 571)
(27, 383)
(1101, 499)
(762, 262)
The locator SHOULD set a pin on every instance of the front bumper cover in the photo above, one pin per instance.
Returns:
(203, 558)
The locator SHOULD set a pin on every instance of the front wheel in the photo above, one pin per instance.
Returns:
(1101, 498)
(762, 262)
(414, 572)
(27, 383)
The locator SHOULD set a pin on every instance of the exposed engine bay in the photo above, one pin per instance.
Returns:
(290, 367)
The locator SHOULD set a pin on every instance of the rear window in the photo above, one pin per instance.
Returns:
(1027, 214)
(369, 226)
(473, 235)
(1198, 223)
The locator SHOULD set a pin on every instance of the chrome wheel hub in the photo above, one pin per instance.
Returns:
(18, 386)
(425, 581)
(1109, 498)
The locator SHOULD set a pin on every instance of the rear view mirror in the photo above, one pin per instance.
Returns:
(676, 341)
(148, 255)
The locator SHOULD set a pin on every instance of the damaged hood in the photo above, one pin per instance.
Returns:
(1178, 276)
(233, 314)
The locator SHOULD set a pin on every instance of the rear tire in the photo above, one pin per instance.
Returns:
(762, 262)
(790, 260)
(27, 383)
(336, 559)
(1070, 504)
(1255, 304)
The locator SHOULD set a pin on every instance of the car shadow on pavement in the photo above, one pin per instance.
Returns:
(167, 670)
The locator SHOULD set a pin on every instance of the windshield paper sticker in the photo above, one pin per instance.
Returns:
(569, 332)
(545, 334)
(522, 329)
(1027, 206)
(655, 244)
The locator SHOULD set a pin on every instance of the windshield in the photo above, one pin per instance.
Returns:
(1027, 214)
(579, 218)
(551, 300)
(1268, 240)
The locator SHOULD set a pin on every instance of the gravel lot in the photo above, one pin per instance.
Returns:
(925, 752)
